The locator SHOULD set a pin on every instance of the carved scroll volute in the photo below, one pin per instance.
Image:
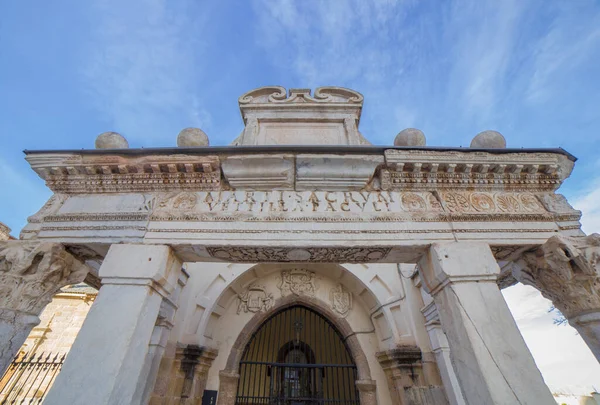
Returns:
(566, 271)
(32, 272)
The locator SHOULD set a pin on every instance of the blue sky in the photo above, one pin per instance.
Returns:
(72, 69)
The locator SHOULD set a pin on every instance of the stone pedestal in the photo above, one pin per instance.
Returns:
(112, 359)
(228, 383)
(491, 360)
(566, 270)
(403, 367)
(31, 273)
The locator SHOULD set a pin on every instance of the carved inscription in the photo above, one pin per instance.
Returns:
(297, 202)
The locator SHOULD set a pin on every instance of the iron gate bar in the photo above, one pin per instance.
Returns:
(296, 357)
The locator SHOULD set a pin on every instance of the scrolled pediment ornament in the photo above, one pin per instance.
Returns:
(32, 272)
(566, 271)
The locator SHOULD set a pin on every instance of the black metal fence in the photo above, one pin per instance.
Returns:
(29, 377)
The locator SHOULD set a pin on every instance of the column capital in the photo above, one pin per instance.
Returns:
(457, 262)
(31, 272)
(155, 266)
(566, 270)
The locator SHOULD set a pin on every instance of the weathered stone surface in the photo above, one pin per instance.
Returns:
(566, 270)
(489, 140)
(135, 279)
(111, 140)
(192, 137)
(492, 362)
(410, 137)
(30, 274)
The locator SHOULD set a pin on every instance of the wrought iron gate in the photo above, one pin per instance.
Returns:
(297, 357)
(28, 378)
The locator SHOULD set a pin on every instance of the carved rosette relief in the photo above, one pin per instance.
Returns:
(491, 203)
(341, 300)
(566, 271)
(298, 282)
(32, 272)
(255, 299)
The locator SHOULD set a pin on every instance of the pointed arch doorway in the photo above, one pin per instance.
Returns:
(297, 357)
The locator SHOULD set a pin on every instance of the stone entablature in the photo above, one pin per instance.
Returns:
(373, 169)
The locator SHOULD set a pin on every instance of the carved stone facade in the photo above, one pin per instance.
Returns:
(298, 282)
(32, 272)
(341, 300)
(566, 271)
(255, 299)
(193, 243)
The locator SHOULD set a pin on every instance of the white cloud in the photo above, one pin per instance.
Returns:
(589, 204)
(566, 363)
(141, 66)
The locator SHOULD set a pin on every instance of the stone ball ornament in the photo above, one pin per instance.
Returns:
(410, 137)
(111, 140)
(192, 137)
(489, 140)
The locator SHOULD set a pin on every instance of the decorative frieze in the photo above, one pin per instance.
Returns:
(82, 174)
(290, 255)
(423, 169)
(255, 299)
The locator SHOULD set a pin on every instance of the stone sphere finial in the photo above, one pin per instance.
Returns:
(489, 140)
(191, 137)
(111, 140)
(410, 137)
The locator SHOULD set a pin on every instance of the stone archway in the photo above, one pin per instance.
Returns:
(229, 376)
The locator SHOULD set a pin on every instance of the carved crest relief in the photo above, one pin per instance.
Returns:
(255, 299)
(298, 282)
(341, 300)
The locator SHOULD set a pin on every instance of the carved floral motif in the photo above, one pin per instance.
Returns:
(341, 300)
(297, 282)
(255, 299)
(309, 254)
(32, 272)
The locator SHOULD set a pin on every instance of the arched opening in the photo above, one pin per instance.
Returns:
(295, 357)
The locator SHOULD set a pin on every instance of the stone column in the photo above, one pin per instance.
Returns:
(31, 273)
(109, 362)
(441, 349)
(491, 360)
(566, 270)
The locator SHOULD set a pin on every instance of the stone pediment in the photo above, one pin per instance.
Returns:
(274, 117)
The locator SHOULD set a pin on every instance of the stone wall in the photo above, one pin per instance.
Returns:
(61, 321)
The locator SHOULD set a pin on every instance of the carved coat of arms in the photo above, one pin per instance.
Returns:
(255, 299)
(341, 300)
(298, 282)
